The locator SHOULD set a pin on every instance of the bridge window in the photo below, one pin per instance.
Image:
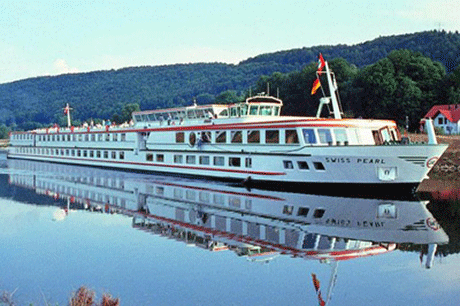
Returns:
(253, 110)
(266, 110)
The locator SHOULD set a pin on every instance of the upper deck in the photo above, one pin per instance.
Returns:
(257, 106)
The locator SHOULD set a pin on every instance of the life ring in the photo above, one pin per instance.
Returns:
(192, 139)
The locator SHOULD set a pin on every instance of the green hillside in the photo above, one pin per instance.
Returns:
(101, 94)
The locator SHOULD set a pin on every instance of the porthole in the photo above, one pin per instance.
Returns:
(192, 139)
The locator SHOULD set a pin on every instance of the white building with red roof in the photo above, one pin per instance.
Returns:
(446, 117)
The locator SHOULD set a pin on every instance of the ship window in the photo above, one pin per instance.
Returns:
(98, 154)
(219, 160)
(106, 154)
(248, 162)
(340, 136)
(303, 165)
(99, 137)
(318, 213)
(107, 137)
(272, 136)
(309, 136)
(91, 154)
(265, 110)
(377, 137)
(71, 152)
(204, 160)
(190, 159)
(190, 114)
(303, 211)
(78, 153)
(325, 136)
(221, 136)
(236, 136)
(276, 110)
(114, 155)
(178, 193)
(318, 166)
(86, 137)
(204, 197)
(223, 113)
(93, 137)
(253, 136)
(85, 153)
(180, 137)
(244, 110)
(253, 110)
(218, 199)
(288, 209)
(288, 164)
(205, 137)
(149, 157)
(160, 158)
(234, 162)
(291, 136)
(178, 159)
(114, 137)
(123, 137)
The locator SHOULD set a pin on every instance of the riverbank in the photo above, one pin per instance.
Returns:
(444, 178)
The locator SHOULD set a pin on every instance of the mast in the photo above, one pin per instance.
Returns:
(333, 93)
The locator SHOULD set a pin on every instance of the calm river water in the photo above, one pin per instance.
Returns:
(156, 240)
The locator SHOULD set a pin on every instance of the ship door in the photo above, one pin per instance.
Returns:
(142, 140)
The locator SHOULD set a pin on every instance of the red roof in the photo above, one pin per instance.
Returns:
(451, 112)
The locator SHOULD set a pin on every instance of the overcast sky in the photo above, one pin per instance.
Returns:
(50, 37)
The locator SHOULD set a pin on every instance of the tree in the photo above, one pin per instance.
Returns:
(404, 84)
(227, 97)
(4, 131)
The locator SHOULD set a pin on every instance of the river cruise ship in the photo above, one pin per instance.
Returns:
(249, 141)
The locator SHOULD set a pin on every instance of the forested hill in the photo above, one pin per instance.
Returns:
(101, 94)
(437, 45)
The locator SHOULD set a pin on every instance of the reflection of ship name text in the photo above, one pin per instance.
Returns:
(346, 223)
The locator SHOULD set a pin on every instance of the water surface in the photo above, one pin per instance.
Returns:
(155, 240)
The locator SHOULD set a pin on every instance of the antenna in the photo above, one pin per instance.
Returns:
(268, 89)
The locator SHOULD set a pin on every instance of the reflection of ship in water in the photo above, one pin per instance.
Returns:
(259, 225)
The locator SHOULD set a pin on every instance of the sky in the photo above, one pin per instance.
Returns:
(50, 37)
